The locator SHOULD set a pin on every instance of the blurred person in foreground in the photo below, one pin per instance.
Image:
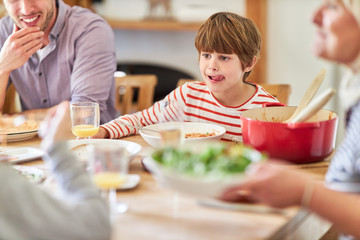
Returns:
(52, 52)
(228, 46)
(29, 212)
(338, 40)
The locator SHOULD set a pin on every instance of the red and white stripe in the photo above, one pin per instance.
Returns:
(192, 102)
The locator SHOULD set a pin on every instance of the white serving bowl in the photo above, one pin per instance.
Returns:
(154, 139)
(208, 186)
(193, 186)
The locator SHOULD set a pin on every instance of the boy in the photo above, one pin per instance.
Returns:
(229, 47)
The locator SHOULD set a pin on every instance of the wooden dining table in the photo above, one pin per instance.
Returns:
(156, 212)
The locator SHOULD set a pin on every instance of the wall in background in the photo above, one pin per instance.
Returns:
(183, 10)
(290, 34)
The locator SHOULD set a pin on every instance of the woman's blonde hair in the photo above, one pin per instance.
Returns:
(354, 7)
(229, 33)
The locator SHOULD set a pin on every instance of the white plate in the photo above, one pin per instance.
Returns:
(33, 174)
(132, 180)
(186, 127)
(13, 137)
(79, 147)
(23, 154)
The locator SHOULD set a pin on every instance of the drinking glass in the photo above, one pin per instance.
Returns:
(85, 119)
(109, 166)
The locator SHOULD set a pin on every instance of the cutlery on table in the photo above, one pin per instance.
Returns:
(248, 207)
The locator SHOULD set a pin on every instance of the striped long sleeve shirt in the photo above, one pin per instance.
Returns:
(344, 171)
(191, 102)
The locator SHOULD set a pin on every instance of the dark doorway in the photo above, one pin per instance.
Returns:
(167, 77)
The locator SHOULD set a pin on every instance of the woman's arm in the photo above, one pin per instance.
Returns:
(281, 186)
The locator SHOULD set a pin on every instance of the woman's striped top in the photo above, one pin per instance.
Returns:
(191, 102)
(344, 171)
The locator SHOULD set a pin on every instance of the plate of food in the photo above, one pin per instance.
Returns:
(80, 147)
(190, 132)
(33, 174)
(205, 170)
(11, 129)
(24, 154)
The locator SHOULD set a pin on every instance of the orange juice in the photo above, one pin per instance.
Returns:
(84, 130)
(108, 180)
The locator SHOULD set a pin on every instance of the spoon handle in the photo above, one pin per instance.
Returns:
(314, 106)
(314, 86)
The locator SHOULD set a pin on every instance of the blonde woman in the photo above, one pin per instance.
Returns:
(338, 40)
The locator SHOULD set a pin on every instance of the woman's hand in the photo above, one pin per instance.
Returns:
(271, 183)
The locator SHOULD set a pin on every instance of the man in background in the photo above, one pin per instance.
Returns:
(52, 52)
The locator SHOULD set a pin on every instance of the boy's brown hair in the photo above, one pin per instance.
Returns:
(229, 33)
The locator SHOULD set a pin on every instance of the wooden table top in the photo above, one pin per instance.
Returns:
(159, 213)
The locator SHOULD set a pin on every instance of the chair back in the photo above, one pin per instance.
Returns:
(280, 91)
(12, 101)
(125, 89)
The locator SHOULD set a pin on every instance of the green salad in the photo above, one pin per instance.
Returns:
(212, 160)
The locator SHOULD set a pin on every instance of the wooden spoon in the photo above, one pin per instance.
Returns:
(314, 86)
(314, 106)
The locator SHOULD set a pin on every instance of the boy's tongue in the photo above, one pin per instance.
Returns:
(217, 78)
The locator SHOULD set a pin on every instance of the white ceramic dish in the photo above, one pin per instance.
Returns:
(194, 186)
(23, 154)
(186, 127)
(79, 147)
(132, 180)
(20, 136)
(33, 174)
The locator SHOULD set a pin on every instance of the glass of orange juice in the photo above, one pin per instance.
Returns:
(109, 166)
(85, 119)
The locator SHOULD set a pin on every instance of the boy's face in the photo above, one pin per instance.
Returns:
(30, 13)
(338, 32)
(221, 72)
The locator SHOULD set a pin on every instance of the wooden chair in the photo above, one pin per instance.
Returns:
(125, 88)
(280, 91)
(12, 101)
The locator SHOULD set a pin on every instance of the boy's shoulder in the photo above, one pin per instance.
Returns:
(196, 87)
(265, 95)
(196, 84)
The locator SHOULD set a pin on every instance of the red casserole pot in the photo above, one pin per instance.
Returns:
(305, 142)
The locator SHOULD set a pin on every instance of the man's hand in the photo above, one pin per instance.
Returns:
(19, 47)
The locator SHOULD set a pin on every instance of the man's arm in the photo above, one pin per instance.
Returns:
(93, 72)
(15, 52)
